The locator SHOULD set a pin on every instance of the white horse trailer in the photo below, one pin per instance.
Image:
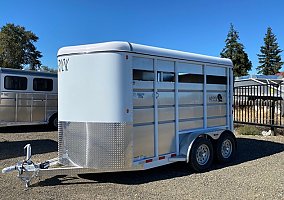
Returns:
(124, 106)
(27, 97)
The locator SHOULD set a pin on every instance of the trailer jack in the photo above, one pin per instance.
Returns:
(27, 170)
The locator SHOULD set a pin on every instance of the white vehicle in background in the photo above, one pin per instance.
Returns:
(124, 106)
(28, 98)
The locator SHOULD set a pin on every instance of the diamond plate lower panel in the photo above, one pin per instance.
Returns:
(95, 145)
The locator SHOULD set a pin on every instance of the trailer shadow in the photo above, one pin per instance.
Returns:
(14, 149)
(26, 129)
(253, 149)
(248, 150)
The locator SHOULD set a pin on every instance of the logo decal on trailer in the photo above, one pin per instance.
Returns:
(217, 98)
(220, 98)
(63, 64)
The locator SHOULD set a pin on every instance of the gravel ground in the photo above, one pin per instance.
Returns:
(256, 173)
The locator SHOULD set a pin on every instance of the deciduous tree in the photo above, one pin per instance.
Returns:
(47, 69)
(17, 48)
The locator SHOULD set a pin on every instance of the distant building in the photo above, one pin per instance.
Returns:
(258, 80)
(260, 86)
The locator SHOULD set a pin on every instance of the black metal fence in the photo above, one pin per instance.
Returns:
(259, 105)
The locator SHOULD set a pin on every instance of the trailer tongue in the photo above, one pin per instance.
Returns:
(28, 170)
(124, 106)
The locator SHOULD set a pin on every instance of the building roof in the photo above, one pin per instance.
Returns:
(263, 77)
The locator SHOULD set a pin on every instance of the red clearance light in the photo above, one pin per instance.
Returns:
(173, 155)
(162, 157)
(149, 160)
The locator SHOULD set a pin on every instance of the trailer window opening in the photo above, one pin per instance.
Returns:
(166, 76)
(42, 84)
(143, 75)
(15, 83)
(190, 78)
(221, 80)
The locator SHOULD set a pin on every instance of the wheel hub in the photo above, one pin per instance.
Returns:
(202, 154)
(226, 149)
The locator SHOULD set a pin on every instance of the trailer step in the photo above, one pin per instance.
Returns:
(177, 158)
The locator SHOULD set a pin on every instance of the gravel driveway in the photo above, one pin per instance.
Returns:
(256, 173)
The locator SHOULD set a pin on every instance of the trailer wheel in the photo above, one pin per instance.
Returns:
(225, 148)
(53, 121)
(201, 156)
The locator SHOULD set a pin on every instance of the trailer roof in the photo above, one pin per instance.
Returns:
(141, 49)
(27, 72)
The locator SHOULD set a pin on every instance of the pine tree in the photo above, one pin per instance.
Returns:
(235, 51)
(270, 58)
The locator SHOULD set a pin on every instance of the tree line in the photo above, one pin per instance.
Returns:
(17, 50)
(269, 57)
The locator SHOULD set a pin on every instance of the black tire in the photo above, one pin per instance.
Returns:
(198, 162)
(53, 122)
(226, 148)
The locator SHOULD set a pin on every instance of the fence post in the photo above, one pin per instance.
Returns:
(272, 115)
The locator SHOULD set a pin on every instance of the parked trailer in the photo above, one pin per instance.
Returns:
(124, 106)
(28, 97)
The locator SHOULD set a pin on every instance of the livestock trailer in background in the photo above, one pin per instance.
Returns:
(27, 97)
(124, 106)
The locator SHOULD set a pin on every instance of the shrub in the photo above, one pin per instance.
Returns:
(248, 130)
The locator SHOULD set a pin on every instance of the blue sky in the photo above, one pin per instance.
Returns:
(198, 26)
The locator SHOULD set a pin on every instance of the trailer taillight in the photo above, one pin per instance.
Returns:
(162, 157)
(149, 160)
(173, 155)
